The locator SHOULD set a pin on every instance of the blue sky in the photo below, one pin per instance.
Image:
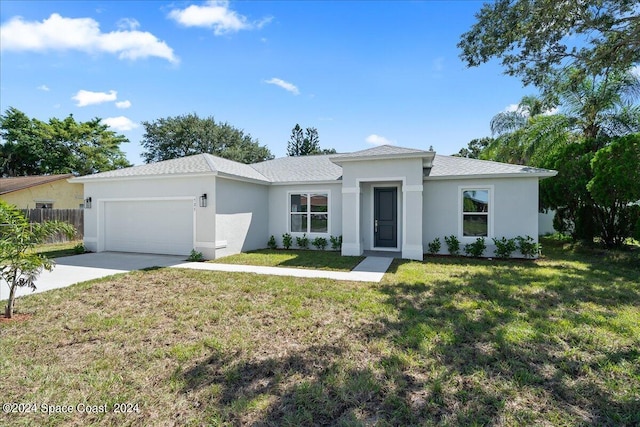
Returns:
(361, 72)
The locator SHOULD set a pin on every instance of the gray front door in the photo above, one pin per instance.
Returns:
(385, 217)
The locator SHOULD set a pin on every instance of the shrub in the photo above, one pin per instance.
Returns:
(434, 247)
(303, 242)
(272, 244)
(336, 242)
(287, 241)
(453, 244)
(195, 256)
(504, 247)
(320, 243)
(79, 249)
(475, 249)
(527, 247)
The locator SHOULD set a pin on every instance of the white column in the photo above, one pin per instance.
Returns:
(412, 222)
(351, 242)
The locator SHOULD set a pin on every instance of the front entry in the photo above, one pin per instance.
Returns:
(385, 217)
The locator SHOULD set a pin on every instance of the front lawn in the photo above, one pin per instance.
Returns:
(321, 260)
(444, 342)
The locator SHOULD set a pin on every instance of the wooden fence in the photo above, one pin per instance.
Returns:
(74, 217)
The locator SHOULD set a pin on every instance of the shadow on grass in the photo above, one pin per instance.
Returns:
(511, 345)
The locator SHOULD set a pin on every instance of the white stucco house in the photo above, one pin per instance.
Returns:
(386, 198)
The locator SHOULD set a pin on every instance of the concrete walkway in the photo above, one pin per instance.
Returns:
(371, 269)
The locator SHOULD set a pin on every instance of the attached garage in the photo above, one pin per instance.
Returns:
(149, 226)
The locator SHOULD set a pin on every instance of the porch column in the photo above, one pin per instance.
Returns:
(412, 220)
(351, 242)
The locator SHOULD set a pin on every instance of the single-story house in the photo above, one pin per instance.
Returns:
(42, 192)
(386, 198)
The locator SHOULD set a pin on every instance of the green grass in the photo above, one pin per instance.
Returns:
(448, 341)
(321, 260)
(57, 250)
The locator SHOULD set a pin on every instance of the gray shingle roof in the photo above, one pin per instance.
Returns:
(314, 168)
(450, 166)
(381, 150)
(300, 169)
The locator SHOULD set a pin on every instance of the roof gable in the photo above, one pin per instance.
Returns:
(462, 167)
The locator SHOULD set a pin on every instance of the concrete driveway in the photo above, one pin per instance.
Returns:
(80, 268)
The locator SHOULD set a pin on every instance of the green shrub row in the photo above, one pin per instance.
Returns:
(504, 247)
(302, 242)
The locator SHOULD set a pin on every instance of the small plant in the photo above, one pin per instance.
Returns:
(453, 244)
(287, 241)
(79, 249)
(528, 247)
(504, 247)
(434, 247)
(475, 249)
(320, 243)
(303, 242)
(195, 256)
(336, 242)
(272, 244)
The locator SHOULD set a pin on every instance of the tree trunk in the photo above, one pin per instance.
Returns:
(12, 298)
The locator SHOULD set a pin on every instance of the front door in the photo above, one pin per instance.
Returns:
(385, 217)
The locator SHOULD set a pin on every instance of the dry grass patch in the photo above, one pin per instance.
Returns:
(445, 342)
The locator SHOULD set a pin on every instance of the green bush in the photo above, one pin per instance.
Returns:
(453, 244)
(434, 247)
(320, 243)
(79, 249)
(287, 241)
(504, 247)
(527, 247)
(303, 242)
(475, 249)
(336, 242)
(272, 244)
(195, 256)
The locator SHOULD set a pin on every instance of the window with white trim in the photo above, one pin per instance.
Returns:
(475, 212)
(309, 212)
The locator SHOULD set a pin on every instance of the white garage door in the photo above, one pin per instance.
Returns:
(149, 226)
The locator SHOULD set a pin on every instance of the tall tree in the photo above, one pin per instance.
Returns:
(538, 39)
(305, 142)
(33, 147)
(475, 148)
(186, 135)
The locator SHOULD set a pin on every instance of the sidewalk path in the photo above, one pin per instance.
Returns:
(371, 269)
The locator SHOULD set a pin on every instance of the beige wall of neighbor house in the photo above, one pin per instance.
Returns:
(61, 194)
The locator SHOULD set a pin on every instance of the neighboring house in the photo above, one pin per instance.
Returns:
(385, 198)
(44, 191)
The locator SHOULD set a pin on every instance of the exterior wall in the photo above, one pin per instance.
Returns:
(141, 189)
(359, 178)
(242, 216)
(63, 195)
(279, 210)
(515, 210)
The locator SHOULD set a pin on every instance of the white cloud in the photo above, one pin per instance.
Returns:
(44, 88)
(217, 15)
(123, 104)
(378, 140)
(83, 34)
(284, 85)
(86, 97)
(128, 24)
(636, 70)
(120, 123)
(512, 108)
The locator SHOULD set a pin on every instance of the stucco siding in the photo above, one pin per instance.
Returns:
(63, 195)
(513, 209)
(242, 216)
(279, 209)
(142, 190)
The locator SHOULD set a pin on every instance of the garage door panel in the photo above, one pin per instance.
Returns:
(157, 226)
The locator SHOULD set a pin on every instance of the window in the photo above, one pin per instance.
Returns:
(308, 212)
(44, 205)
(475, 212)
